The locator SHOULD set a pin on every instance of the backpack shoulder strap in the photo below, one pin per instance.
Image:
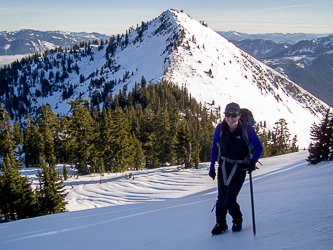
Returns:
(245, 135)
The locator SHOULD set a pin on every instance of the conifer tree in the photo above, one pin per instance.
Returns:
(321, 136)
(143, 81)
(64, 172)
(48, 123)
(148, 138)
(97, 152)
(122, 145)
(106, 142)
(17, 198)
(196, 147)
(139, 158)
(135, 115)
(18, 134)
(51, 195)
(294, 147)
(206, 135)
(7, 137)
(81, 133)
(265, 139)
(281, 138)
(33, 145)
(164, 137)
(62, 141)
(183, 145)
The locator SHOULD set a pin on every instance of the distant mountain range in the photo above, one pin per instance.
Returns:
(309, 63)
(290, 38)
(27, 41)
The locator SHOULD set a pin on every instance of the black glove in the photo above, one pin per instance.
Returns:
(251, 166)
(212, 173)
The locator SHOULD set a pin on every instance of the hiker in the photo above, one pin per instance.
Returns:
(233, 153)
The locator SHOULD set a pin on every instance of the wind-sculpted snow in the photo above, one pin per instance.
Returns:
(112, 189)
(168, 208)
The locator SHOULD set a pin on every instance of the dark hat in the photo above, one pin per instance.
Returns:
(233, 108)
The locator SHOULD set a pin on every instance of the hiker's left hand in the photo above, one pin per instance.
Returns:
(212, 173)
(251, 166)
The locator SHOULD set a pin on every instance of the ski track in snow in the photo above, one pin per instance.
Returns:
(168, 208)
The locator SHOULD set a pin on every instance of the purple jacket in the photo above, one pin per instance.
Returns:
(257, 147)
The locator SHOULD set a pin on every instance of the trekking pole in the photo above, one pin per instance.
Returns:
(252, 204)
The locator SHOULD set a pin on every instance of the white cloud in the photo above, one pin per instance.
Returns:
(287, 7)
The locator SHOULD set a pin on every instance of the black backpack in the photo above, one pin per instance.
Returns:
(247, 116)
(247, 119)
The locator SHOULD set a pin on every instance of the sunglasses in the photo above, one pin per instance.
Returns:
(233, 115)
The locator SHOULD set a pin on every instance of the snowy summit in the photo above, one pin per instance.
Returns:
(174, 47)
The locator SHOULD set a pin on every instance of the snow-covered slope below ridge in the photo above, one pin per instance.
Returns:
(238, 77)
(176, 48)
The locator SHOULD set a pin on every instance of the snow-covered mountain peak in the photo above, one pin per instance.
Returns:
(216, 71)
(175, 48)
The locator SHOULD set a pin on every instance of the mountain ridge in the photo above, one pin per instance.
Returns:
(291, 38)
(175, 48)
(308, 63)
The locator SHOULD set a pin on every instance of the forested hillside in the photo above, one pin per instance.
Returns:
(153, 126)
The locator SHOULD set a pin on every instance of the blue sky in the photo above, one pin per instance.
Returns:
(113, 17)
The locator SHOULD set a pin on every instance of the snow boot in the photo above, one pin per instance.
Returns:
(237, 225)
(219, 228)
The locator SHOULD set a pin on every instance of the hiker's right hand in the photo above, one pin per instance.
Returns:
(212, 173)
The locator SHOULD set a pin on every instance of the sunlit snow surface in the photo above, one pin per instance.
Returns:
(168, 208)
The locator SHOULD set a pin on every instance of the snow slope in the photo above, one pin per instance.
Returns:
(238, 77)
(168, 208)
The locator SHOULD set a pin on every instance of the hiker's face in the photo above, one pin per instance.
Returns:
(232, 120)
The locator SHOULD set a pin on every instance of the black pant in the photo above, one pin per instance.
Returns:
(227, 195)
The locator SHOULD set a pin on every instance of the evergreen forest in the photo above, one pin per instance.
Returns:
(152, 126)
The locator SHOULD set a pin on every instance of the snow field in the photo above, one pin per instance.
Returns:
(169, 208)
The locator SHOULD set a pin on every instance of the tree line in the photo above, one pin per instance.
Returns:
(147, 127)
(276, 141)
